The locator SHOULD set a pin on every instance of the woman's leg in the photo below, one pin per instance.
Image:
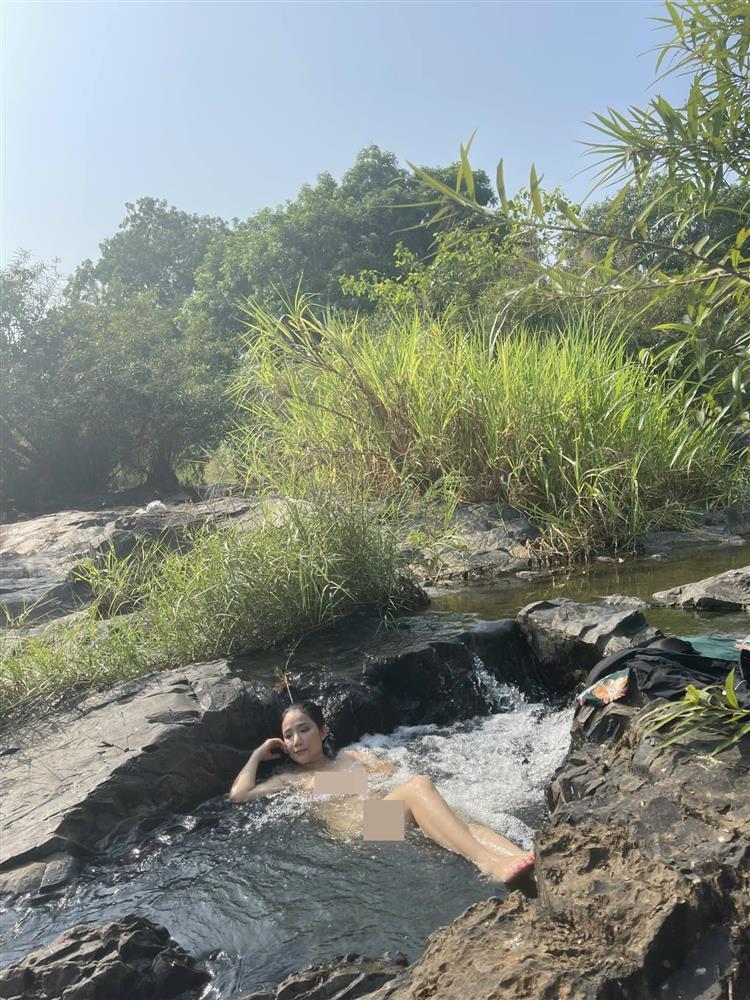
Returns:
(494, 841)
(437, 820)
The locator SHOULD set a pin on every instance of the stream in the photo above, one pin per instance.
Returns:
(262, 889)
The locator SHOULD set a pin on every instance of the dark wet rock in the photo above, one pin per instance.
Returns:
(482, 541)
(345, 978)
(39, 556)
(569, 638)
(644, 883)
(728, 591)
(130, 957)
(39, 877)
(419, 682)
(121, 759)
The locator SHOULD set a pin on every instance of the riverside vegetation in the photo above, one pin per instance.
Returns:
(588, 366)
(300, 567)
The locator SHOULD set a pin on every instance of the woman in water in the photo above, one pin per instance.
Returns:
(304, 733)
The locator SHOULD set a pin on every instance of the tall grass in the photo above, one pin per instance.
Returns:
(235, 590)
(568, 427)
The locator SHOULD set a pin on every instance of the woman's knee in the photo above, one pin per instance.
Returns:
(420, 782)
(417, 784)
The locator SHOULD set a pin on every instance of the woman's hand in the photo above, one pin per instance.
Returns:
(244, 786)
(273, 749)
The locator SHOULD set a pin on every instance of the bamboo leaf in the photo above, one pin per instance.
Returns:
(536, 198)
(501, 189)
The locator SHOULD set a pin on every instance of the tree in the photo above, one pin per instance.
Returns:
(96, 384)
(45, 449)
(691, 160)
(157, 248)
(331, 229)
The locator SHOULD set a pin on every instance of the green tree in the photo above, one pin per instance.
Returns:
(46, 451)
(692, 160)
(96, 384)
(330, 230)
(157, 248)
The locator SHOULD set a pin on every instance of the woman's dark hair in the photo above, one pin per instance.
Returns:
(313, 710)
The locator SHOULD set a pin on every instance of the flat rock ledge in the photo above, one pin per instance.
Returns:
(101, 773)
(38, 557)
(728, 591)
(130, 957)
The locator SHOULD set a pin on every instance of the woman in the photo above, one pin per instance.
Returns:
(304, 733)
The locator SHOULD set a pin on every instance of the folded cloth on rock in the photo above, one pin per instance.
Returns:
(665, 673)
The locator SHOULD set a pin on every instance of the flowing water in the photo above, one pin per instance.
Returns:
(634, 578)
(262, 889)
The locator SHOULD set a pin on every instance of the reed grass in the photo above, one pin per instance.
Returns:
(299, 568)
(569, 428)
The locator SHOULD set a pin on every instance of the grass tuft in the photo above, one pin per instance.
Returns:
(299, 568)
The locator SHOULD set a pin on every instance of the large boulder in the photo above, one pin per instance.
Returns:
(38, 557)
(117, 762)
(568, 638)
(130, 957)
(728, 591)
(480, 542)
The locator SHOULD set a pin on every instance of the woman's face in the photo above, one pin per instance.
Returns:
(303, 738)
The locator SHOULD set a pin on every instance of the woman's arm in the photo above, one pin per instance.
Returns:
(245, 787)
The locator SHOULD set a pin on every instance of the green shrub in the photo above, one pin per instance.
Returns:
(568, 426)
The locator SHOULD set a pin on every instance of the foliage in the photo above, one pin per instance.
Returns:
(566, 427)
(694, 157)
(712, 713)
(298, 567)
(98, 377)
(462, 270)
(157, 248)
(47, 444)
(329, 230)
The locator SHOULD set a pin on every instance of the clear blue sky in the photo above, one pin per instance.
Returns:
(222, 108)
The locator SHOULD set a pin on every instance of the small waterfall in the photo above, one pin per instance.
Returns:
(498, 697)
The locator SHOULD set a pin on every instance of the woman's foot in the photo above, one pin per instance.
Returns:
(516, 872)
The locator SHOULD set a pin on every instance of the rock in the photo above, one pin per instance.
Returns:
(130, 957)
(146, 747)
(569, 637)
(345, 978)
(38, 557)
(728, 591)
(711, 529)
(168, 741)
(644, 881)
(39, 876)
(622, 601)
(482, 541)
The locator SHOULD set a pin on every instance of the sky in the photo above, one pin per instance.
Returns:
(224, 108)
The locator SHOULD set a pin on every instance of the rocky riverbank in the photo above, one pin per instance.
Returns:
(479, 543)
(643, 868)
